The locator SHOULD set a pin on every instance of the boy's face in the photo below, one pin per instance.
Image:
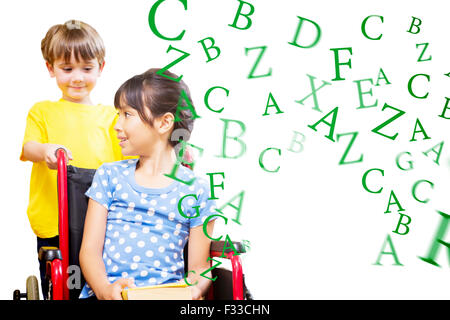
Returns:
(76, 79)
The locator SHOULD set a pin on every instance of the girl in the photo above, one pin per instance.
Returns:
(139, 219)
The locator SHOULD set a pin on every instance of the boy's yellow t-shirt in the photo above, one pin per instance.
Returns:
(87, 131)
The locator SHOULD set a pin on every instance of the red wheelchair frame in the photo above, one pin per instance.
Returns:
(59, 262)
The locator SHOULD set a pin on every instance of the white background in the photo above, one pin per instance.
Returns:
(315, 233)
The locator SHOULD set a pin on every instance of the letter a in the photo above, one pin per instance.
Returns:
(332, 124)
(437, 152)
(392, 252)
(272, 105)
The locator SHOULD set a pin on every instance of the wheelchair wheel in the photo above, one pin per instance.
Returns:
(32, 288)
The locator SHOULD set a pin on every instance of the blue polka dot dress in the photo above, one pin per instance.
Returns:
(145, 232)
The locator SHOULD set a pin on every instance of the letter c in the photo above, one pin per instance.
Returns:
(415, 187)
(205, 223)
(365, 177)
(152, 24)
(363, 27)
(410, 85)
(206, 99)
(261, 160)
(187, 282)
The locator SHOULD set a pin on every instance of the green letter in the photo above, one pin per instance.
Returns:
(187, 282)
(437, 152)
(151, 21)
(401, 223)
(410, 85)
(180, 160)
(205, 224)
(360, 94)
(207, 97)
(421, 130)
(415, 25)
(203, 274)
(251, 74)
(383, 77)
(294, 141)
(161, 71)
(238, 208)
(186, 106)
(261, 160)
(211, 182)
(434, 249)
(396, 202)
(206, 49)
(445, 108)
(337, 63)
(414, 190)
(423, 51)
(332, 124)
(273, 105)
(365, 177)
(409, 162)
(392, 252)
(231, 246)
(398, 115)
(363, 27)
(313, 92)
(352, 140)
(316, 40)
(226, 137)
(180, 209)
(239, 13)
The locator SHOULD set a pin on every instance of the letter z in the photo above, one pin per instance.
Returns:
(398, 115)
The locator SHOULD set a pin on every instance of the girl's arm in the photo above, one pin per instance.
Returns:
(91, 261)
(198, 252)
(37, 152)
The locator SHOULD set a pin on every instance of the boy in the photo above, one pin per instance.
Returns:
(74, 55)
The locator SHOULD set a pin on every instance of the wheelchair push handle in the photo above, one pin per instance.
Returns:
(63, 224)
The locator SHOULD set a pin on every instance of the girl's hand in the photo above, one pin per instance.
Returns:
(113, 290)
(196, 293)
(50, 154)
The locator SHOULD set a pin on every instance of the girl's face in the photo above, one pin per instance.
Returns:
(138, 138)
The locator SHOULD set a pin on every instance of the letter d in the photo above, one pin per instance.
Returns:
(297, 33)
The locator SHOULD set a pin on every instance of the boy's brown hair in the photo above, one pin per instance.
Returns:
(73, 37)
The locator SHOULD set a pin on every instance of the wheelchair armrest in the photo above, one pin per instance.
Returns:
(49, 254)
(219, 246)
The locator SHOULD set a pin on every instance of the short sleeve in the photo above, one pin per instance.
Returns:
(206, 207)
(35, 129)
(100, 189)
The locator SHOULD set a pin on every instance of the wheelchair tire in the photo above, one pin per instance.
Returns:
(32, 288)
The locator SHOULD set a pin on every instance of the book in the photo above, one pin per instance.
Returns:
(169, 291)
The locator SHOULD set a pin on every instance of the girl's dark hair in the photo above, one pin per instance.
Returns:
(160, 95)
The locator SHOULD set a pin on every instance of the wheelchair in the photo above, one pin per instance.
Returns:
(73, 182)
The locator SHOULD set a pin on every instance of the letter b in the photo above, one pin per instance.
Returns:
(236, 138)
(246, 16)
(413, 24)
(211, 47)
(405, 224)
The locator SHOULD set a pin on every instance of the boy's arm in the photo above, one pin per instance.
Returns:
(91, 261)
(198, 252)
(37, 152)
